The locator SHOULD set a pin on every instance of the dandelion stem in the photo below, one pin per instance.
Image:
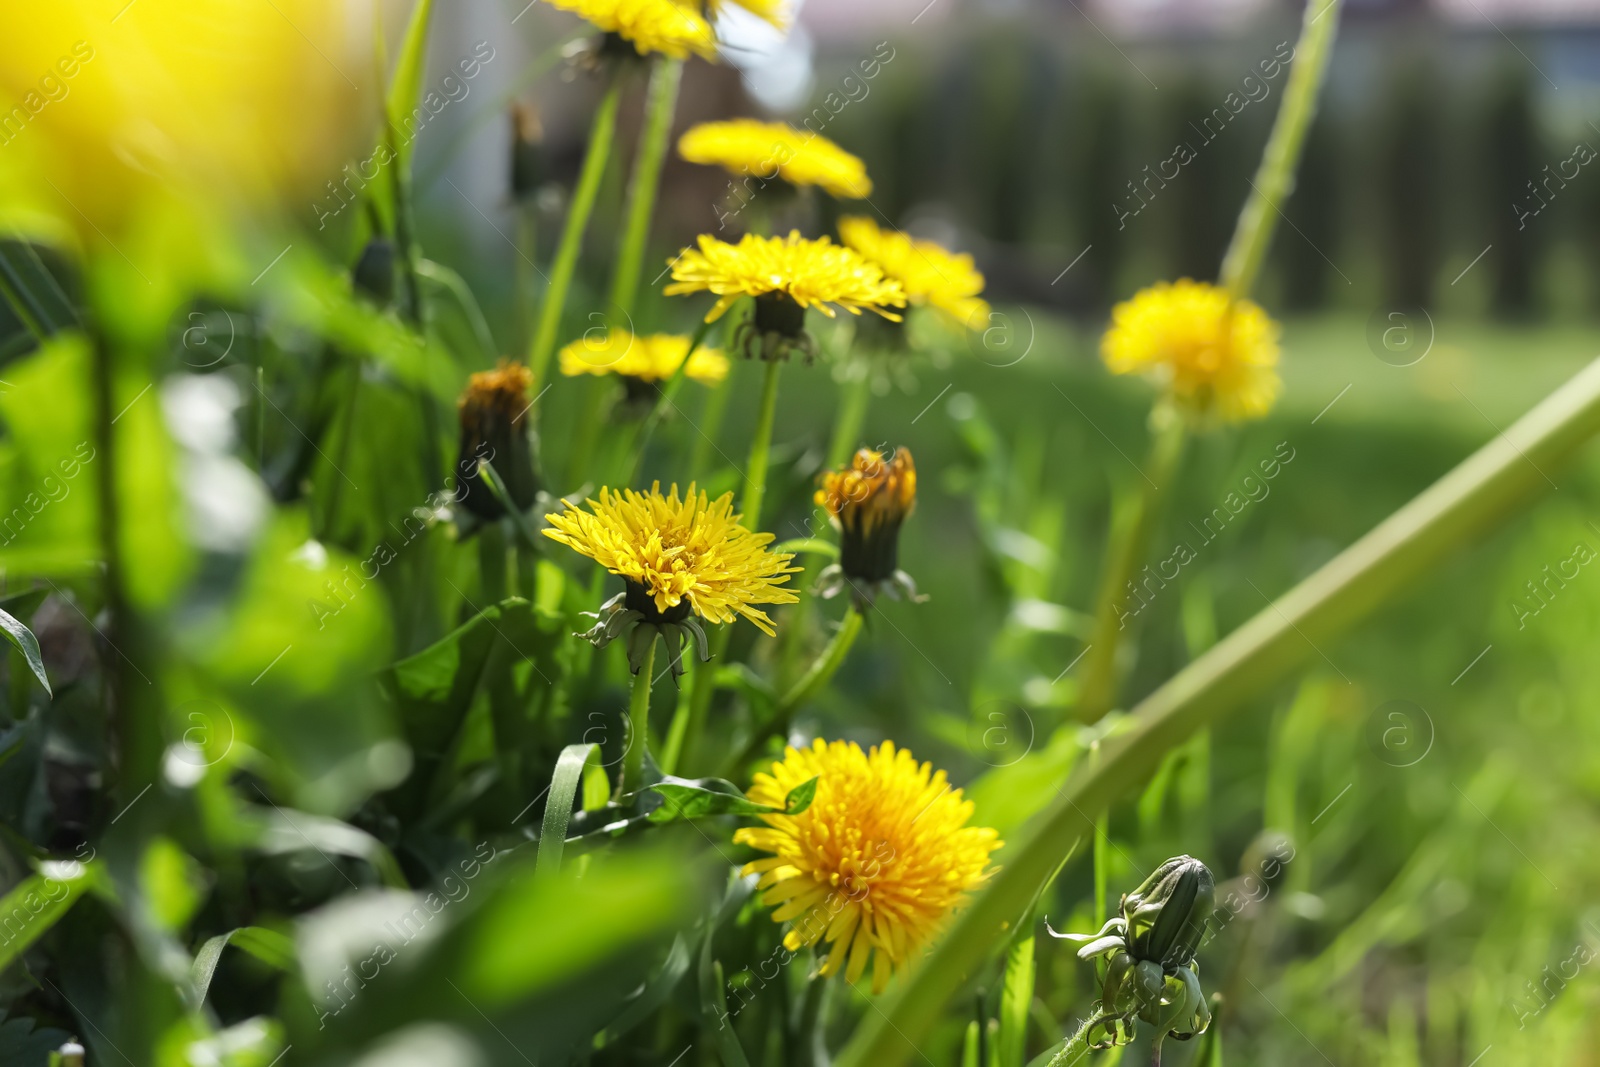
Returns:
(755, 489)
(660, 104)
(822, 669)
(1115, 608)
(1274, 181)
(755, 477)
(855, 395)
(601, 134)
(638, 724)
(1454, 512)
(1076, 1048)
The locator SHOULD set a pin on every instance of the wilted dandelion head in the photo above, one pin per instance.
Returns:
(493, 412)
(1216, 356)
(930, 274)
(665, 26)
(867, 501)
(647, 359)
(767, 150)
(679, 555)
(878, 861)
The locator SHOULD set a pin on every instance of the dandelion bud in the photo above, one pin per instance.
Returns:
(867, 502)
(373, 273)
(1167, 915)
(494, 429)
(528, 170)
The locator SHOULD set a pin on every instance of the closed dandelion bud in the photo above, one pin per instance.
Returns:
(1167, 915)
(494, 430)
(867, 502)
(528, 170)
(373, 273)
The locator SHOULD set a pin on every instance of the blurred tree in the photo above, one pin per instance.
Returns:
(1100, 185)
(1315, 209)
(1510, 148)
(1409, 169)
(1200, 217)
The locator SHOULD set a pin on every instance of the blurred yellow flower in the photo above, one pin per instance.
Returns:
(198, 103)
(677, 556)
(766, 150)
(930, 274)
(666, 26)
(648, 359)
(1216, 356)
(878, 861)
(809, 273)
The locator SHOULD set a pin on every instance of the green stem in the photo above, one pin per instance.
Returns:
(639, 724)
(661, 102)
(755, 489)
(492, 577)
(705, 441)
(755, 483)
(1128, 543)
(822, 669)
(1450, 514)
(601, 134)
(1076, 1048)
(1274, 180)
(669, 391)
(855, 396)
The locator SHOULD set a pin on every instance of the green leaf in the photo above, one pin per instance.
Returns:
(405, 87)
(268, 946)
(1016, 997)
(655, 992)
(40, 900)
(558, 805)
(814, 545)
(23, 641)
(703, 797)
(283, 831)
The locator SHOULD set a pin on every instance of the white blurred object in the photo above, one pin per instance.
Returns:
(777, 68)
(226, 501)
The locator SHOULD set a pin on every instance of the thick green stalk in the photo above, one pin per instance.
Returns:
(1296, 628)
(755, 475)
(822, 669)
(638, 723)
(755, 489)
(1274, 179)
(1126, 551)
(601, 133)
(660, 104)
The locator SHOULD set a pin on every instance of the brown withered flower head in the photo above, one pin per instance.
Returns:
(867, 501)
(494, 429)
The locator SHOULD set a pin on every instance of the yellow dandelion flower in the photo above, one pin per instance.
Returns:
(666, 26)
(768, 150)
(679, 556)
(930, 274)
(878, 861)
(807, 273)
(493, 412)
(646, 359)
(868, 501)
(1216, 355)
